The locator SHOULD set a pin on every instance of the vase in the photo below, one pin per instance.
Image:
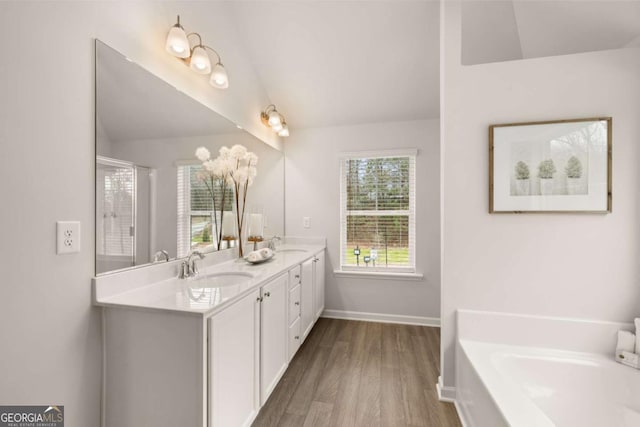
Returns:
(573, 186)
(546, 186)
(522, 187)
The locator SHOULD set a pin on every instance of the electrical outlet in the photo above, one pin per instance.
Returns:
(306, 222)
(68, 237)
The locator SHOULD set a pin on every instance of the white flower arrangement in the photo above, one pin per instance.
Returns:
(234, 167)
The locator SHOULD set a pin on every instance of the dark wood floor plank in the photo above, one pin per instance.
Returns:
(303, 395)
(391, 402)
(331, 333)
(344, 409)
(368, 405)
(319, 415)
(335, 368)
(291, 420)
(373, 350)
(415, 409)
(361, 374)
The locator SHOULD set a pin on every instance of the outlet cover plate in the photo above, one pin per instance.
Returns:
(68, 237)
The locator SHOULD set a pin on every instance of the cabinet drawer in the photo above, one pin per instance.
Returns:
(294, 276)
(294, 338)
(294, 304)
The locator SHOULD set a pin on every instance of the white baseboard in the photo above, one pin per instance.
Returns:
(383, 318)
(445, 394)
(461, 415)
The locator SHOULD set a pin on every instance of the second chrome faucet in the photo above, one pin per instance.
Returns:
(189, 268)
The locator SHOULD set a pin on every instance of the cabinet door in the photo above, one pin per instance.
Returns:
(306, 290)
(273, 337)
(294, 304)
(318, 284)
(234, 363)
(294, 276)
(294, 338)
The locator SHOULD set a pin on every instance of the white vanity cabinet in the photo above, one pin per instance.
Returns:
(234, 354)
(273, 334)
(307, 313)
(294, 311)
(318, 284)
(170, 366)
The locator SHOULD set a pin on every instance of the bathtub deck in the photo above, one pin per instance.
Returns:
(351, 373)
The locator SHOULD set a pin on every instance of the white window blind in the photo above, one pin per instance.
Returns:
(196, 223)
(377, 203)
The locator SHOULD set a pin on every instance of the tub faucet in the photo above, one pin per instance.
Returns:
(272, 242)
(189, 268)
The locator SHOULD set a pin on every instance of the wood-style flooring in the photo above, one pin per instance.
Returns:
(351, 373)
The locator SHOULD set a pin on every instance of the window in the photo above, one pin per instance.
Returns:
(377, 199)
(196, 223)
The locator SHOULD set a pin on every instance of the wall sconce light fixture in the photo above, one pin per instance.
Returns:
(276, 121)
(197, 56)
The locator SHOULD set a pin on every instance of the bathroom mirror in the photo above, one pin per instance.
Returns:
(148, 196)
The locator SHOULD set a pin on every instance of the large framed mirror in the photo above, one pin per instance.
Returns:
(149, 198)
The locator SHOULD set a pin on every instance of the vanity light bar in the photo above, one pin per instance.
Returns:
(274, 120)
(197, 57)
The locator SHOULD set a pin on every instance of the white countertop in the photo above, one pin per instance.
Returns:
(200, 296)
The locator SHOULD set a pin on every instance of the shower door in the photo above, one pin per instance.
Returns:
(122, 210)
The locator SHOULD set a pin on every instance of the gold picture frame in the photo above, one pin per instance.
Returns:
(557, 166)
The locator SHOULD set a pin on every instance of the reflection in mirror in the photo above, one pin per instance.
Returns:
(150, 203)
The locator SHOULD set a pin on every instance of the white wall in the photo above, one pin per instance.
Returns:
(569, 265)
(50, 333)
(312, 176)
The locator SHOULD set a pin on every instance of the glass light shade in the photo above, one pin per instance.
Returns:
(284, 131)
(200, 62)
(275, 119)
(277, 128)
(177, 43)
(219, 77)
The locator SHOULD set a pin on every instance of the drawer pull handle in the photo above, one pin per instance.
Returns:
(259, 299)
(297, 337)
(297, 303)
(267, 294)
(297, 276)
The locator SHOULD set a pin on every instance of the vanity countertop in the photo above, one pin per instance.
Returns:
(203, 297)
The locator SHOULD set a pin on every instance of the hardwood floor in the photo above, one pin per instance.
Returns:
(350, 373)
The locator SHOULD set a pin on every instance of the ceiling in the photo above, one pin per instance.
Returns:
(332, 63)
(494, 31)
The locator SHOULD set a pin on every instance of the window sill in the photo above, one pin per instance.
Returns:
(378, 275)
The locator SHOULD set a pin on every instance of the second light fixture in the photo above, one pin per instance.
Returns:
(197, 56)
(276, 121)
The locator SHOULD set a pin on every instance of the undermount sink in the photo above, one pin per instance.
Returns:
(291, 250)
(215, 280)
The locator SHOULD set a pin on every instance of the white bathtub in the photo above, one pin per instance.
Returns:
(530, 383)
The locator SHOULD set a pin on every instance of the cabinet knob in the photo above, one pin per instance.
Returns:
(297, 276)
(267, 294)
(297, 303)
(297, 337)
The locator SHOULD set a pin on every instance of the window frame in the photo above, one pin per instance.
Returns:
(412, 154)
(184, 212)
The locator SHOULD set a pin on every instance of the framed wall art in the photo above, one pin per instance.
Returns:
(554, 166)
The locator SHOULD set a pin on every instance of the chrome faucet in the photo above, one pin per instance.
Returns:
(189, 268)
(272, 242)
(161, 254)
